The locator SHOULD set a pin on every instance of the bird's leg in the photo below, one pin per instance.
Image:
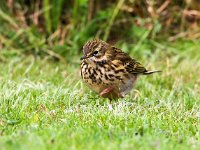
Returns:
(106, 91)
(111, 93)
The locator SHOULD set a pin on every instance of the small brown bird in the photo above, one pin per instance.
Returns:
(108, 71)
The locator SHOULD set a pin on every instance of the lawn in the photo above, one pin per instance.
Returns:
(45, 105)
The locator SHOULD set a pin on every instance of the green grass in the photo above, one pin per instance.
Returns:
(45, 105)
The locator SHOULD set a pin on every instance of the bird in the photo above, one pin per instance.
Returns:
(109, 71)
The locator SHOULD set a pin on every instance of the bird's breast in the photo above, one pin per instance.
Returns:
(100, 76)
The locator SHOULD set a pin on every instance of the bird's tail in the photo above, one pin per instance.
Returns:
(150, 72)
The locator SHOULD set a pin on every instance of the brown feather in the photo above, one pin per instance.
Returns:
(131, 65)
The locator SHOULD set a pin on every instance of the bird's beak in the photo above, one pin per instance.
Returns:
(84, 57)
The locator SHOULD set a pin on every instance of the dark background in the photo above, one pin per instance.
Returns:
(59, 28)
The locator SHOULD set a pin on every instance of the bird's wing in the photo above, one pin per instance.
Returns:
(131, 65)
(135, 67)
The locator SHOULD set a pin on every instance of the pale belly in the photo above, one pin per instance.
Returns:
(120, 88)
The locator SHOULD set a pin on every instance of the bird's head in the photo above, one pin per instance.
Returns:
(95, 50)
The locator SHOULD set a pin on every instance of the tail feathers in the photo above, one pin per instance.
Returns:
(151, 72)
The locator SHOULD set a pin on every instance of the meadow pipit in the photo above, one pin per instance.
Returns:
(109, 71)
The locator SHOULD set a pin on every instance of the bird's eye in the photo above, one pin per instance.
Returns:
(95, 52)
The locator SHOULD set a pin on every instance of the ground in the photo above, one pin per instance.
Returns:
(45, 105)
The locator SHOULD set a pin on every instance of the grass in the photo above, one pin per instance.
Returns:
(44, 104)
